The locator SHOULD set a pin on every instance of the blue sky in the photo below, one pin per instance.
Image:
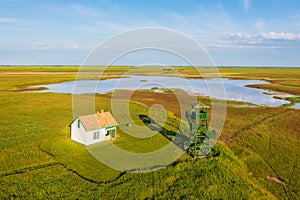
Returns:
(234, 32)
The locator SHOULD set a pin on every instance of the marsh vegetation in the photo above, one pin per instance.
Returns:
(258, 151)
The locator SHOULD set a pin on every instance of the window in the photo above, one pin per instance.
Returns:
(96, 135)
(78, 123)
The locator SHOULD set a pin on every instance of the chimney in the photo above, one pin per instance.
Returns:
(102, 111)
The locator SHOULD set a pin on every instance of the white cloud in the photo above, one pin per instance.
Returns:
(203, 21)
(59, 45)
(246, 4)
(265, 36)
(11, 20)
(262, 40)
(280, 36)
(38, 45)
(110, 5)
(85, 10)
(112, 26)
(259, 25)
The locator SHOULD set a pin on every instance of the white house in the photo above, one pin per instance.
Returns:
(91, 129)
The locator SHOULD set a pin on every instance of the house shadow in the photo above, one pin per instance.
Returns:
(180, 140)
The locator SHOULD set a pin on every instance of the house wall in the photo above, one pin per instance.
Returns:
(78, 134)
(91, 140)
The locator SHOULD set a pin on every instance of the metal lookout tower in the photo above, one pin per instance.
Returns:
(200, 136)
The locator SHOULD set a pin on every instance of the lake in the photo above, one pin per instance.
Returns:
(297, 105)
(234, 89)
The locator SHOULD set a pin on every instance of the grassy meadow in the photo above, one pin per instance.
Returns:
(257, 155)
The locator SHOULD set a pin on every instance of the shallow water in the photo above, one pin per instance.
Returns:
(220, 88)
(297, 105)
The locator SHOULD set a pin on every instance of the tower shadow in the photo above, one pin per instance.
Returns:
(179, 139)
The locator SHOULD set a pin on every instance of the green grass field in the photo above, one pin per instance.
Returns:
(39, 161)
